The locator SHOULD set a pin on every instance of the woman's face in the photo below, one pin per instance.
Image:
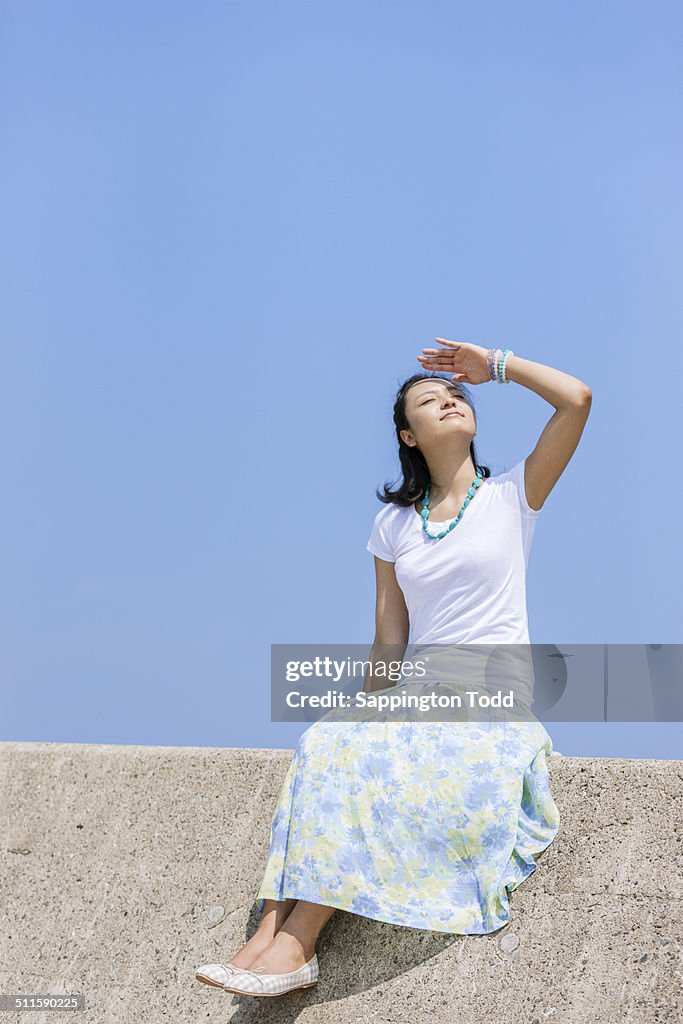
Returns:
(436, 410)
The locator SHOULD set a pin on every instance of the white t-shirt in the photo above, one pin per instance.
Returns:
(470, 586)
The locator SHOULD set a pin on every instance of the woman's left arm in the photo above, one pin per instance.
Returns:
(560, 436)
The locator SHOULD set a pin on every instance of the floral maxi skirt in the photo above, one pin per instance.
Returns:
(422, 824)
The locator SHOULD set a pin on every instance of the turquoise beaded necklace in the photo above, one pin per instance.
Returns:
(471, 491)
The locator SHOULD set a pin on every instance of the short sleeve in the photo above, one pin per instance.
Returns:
(516, 475)
(380, 541)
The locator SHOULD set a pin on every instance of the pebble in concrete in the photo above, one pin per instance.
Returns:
(509, 943)
(216, 914)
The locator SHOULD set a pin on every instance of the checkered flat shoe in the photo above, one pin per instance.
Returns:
(215, 974)
(257, 983)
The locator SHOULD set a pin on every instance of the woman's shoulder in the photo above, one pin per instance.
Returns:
(510, 485)
(390, 511)
(386, 530)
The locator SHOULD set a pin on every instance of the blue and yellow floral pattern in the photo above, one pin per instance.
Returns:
(422, 824)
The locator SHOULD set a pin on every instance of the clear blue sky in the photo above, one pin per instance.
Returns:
(229, 229)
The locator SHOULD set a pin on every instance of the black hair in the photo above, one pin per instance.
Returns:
(413, 463)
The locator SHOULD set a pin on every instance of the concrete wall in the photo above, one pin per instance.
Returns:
(124, 868)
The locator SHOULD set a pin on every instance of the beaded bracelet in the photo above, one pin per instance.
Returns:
(497, 364)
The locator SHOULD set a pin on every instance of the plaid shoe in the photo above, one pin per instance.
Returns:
(215, 974)
(258, 983)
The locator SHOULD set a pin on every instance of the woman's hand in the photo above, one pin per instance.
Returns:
(465, 362)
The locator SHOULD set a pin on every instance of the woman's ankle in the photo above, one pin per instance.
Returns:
(267, 930)
(251, 950)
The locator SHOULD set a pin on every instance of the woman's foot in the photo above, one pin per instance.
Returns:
(252, 949)
(274, 915)
(284, 954)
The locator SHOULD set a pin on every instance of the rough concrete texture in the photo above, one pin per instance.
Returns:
(125, 867)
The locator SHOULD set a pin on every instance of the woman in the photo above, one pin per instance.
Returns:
(424, 824)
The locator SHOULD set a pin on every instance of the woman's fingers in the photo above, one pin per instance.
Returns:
(440, 359)
(436, 361)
